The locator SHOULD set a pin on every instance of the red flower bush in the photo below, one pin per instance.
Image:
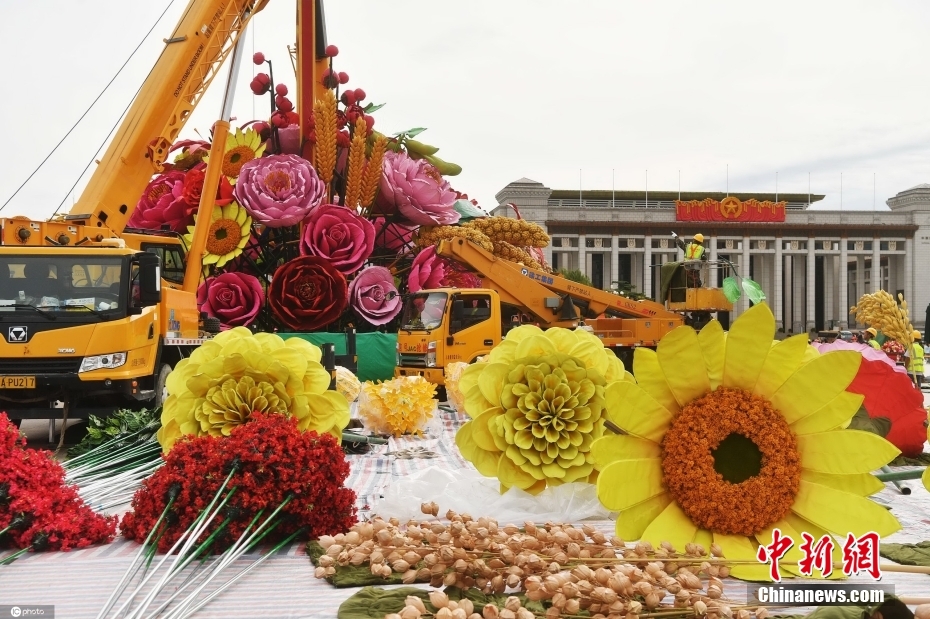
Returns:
(308, 293)
(273, 460)
(36, 506)
(235, 298)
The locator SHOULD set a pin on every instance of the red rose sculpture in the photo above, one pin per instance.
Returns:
(374, 296)
(235, 298)
(308, 293)
(337, 234)
(162, 203)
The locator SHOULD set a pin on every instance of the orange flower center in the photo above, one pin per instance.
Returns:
(731, 462)
(235, 158)
(278, 181)
(224, 237)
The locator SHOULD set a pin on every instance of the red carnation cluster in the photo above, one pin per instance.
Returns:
(37, 507)
(273, 459)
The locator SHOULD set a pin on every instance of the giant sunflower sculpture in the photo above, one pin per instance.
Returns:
(537, 406)
(228, 235)
(241, 147)
(730, 436)
(237, 373)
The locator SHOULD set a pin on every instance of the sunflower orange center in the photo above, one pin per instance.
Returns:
(235, 158)
(223, 237)
(731, 462)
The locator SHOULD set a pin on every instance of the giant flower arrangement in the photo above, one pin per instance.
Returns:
(729, 437)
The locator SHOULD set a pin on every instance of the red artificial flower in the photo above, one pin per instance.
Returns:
(193, 187)
(308, 293)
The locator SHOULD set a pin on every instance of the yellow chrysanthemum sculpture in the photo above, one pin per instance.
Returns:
(398, 406)
(730, 436)
(241, 147)
(228, 235)
(537, 406)
(237, 373)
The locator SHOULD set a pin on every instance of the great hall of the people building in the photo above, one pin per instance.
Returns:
(812, 264)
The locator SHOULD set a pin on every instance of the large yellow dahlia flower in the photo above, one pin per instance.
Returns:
(536, 407)
(237, 373)
(730, 436)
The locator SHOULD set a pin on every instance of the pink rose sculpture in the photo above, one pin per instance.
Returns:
(340, 236)
(392, 237)
(416, 190)
(373, 295)
(279, 190)
(427, 271)
(235, 298)
(162, 204)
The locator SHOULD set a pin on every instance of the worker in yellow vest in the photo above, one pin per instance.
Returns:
(694, 250)
(869, 336)
(915, 359)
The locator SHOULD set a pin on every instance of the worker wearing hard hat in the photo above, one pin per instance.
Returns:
(915, 359)
(694, 250)
(869, 337)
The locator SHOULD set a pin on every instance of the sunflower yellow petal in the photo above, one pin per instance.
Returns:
(841, 512)
(815, 384)
(805, 526)
(682, 362)
(860, 484)
(748, 343)
(633, 521)
(651, 379)
(209, 258)
(845, 451)
(925, 478)
(704, 537)
(789, 562)
(624, 483)
(741, 548)
(636, 412)
(672, 526)
(833, 415)
(713, 349)
(612, 447)
(782, 361)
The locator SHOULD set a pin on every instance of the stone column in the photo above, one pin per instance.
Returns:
(908, 285)
(843, 298)
(860, 279)
(777, 285)
(798, 289)
(876, 265)
(789, 301)
(829, 290)
(582, 254)
(811, 280)
(614, 260)
(647, 266)
(746, 268)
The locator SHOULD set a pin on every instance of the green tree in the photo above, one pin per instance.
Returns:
(575, 275)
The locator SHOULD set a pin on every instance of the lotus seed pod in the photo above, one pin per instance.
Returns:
(438, 599)
(508, 614)
(409, 612)
(443, 613)
(490, 611)
(762, 612)
(700, 608)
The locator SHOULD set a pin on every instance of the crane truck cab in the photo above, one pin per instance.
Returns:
(688, 287)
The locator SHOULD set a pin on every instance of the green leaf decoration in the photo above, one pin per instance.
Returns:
(371, 107)
(351, 575)
(375, 602)
(116, 428)
(411, 133)
(731, 289)
(753, 291)
(467, 210)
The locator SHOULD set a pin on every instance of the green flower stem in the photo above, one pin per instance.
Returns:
(105, 448)
(10, 558)
(84, 462)
(358, 438)
(901, 475)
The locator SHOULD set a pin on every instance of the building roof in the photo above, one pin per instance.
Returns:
(599, 194)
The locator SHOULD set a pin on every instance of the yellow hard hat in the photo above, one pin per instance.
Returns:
(699, 237)
(916, 335)
(871, 331)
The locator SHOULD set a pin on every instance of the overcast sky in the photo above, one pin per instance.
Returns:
(535, 88)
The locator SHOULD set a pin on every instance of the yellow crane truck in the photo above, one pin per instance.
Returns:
(93, 316)
(447, 325)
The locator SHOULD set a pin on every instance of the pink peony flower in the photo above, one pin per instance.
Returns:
(279, 190)
(235, 298)
(416, 190)
(340, 236)
(162, 204)
(373, 295)
(427, 271)
(392, 237)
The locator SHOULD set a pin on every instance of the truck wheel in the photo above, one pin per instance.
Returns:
(212, 325)
(161, 387)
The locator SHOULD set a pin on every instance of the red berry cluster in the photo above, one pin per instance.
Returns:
(272, 459)
(37, 507)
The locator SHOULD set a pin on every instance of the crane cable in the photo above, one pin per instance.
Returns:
(87, 111)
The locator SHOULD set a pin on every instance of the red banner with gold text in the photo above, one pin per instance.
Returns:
(729, 209)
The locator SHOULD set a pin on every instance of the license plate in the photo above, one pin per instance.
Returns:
(17, 382)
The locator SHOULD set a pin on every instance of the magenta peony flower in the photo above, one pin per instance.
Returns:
(373, 295)
(864, 349)
(162, 203)
(392, 237)
(340, 236)
(235, 298)
(427, 271)
(416, 190)
(279, 190)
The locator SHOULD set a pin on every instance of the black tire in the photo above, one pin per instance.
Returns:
(161, 380)
(75, 433)
(212, 325)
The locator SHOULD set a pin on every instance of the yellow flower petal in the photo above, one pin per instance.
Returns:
(469, 377)
(633, 521)
(748, 343)
(741, 548)
(783, 360)
(705, 538)
(612, 447)
(295, 362)
(833, 415)
(484, 461)
(860, 484)
(511, 475)
(824, 452)
(815, 384)
(624, 483)
(534, 346)
(481, 432)
(672, 526)
(492, 381)
(788, 564)
(636, 412)
(682, 362)
(302, 346)
(713, 348)
(925, 478)
(841, 512)
(651, 379)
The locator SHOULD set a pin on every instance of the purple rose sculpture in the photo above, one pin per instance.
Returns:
(340, 236)
(235, 298)
(416, 190)
(162, 203)
(373, 295)
(279, 190)
(427, 271)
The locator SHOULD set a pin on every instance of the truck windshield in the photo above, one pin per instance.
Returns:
(62, 283)
(424, 310)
